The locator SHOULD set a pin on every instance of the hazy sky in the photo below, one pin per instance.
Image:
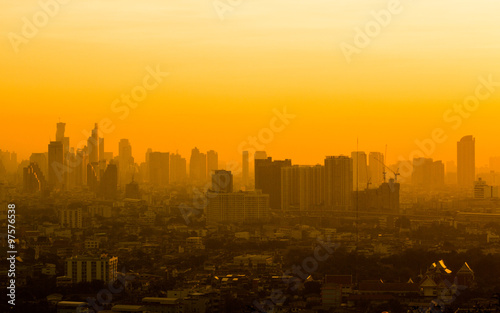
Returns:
(227, 76)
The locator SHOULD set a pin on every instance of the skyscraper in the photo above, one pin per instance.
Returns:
(125, 162)
(41, 160)
(177, 169)
(360, 170)
(198, 167)
(245, 169)
(338, 182)
(302, 187)
(268, 179)
(212, 162)
(109, 182)
(466, 161)
(56, 164)
(93, 145)
(159, 168)
(376, 168)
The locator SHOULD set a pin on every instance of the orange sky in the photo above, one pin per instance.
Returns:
(227, 76)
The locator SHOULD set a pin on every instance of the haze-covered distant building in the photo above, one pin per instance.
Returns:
(237, 207)
(466, 161)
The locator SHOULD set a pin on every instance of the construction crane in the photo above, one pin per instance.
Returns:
(396, 173)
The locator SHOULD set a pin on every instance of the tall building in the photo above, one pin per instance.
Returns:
(33, 178)
(159, 168)
(427, 173)
(268, 179)
(93, 145)
(41, 160)
(302, 188)
(222, 181)
(61, 128)
(466, 161)
(90, 268)
(376, 168)
(56, 164)
(92, 176)
(338, 182)
(437, 174)
(109, 182)
(177, 169)
(359, 170)
(125, 162)
(237, 207)
(198, 167)
(212, 162)
(245, 169)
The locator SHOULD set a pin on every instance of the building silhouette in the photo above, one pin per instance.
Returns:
(41, 160)
(198, 167)
(93, 145)
(338, 182)
(466, 161)
(56, 164)
(359, 170)
(268, 179)
(159, 168)
(109, 182)
(177, 169)
(245, 169)
(33, 179)
(302, 188)
(222, 181)
(212, 162)
(125, 161)
(376, 168)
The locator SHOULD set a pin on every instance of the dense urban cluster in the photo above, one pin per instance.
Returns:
(103, 233)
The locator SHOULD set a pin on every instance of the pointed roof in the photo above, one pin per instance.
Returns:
(428, 282)
(465, 269)
(410, 281)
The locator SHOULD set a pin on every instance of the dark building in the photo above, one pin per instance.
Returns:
(92, 170)
(132, 190)
(159, 167)
(222, 181)
(109, 182)
(268, 179)
(384, 199)
(33, 179)
(56, 164)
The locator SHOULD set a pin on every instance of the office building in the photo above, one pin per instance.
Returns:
(466, 161)
(56, 165)
(338, 182)
(268, 179)
(212, 162)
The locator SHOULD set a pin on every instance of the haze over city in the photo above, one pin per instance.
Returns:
(250, 156)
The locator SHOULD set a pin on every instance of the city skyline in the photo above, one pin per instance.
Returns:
(421, 150)
(389, 90)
